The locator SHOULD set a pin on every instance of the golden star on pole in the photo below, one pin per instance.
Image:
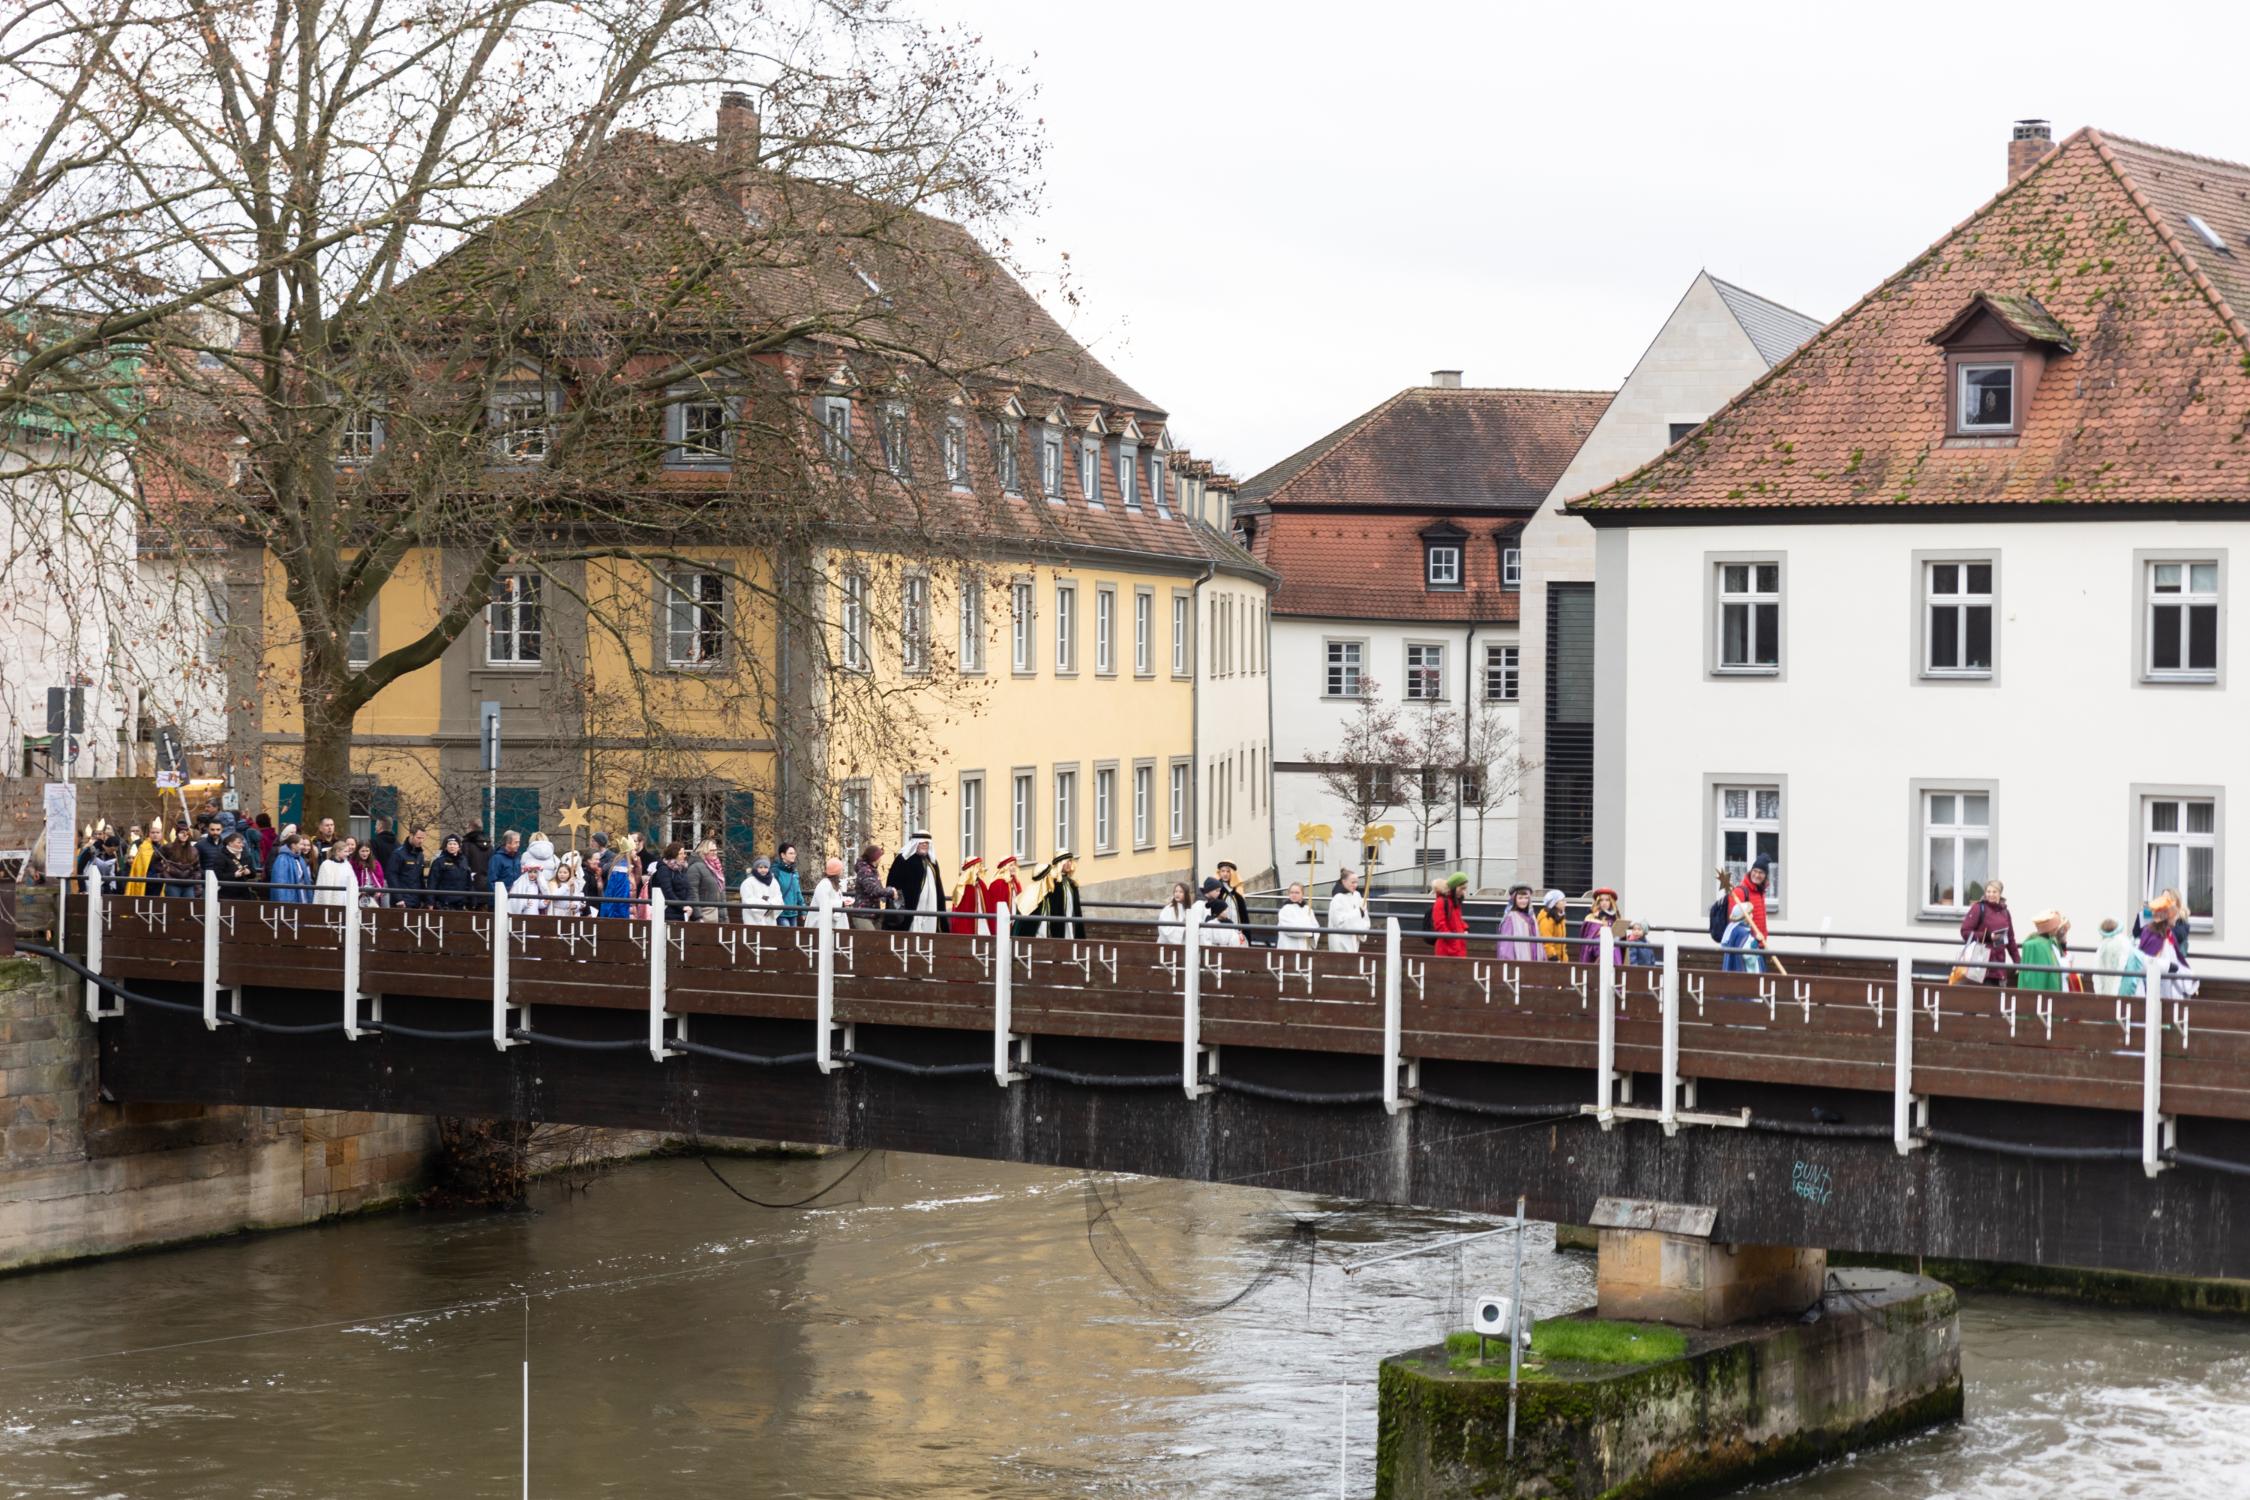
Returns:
(574, 816)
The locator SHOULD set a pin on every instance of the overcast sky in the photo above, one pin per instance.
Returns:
(1277, 215)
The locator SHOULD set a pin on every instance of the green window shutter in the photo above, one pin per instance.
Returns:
(292, 803)
(740, 843)
(517, 807)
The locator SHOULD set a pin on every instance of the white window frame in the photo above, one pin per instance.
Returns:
(852, 619)
(1105, 809)
(1183, 613)
(836, 430)
(359, 640)
(1066, 629)
(1343, 678)
(359, 437)
(679, 451)
(1144, 626)
(1023, 813)
(1180, 811)
(1105, 630)
(1755, 828)
(2151, 842)
(1051, 463)
(1962, 602)
(1960, 835)
(1961, 374)
(896, 430)
(914, 624)
(913, 806)
(1065, 807)
(517, 443)
(2185, 599)
(956, 445)
(1511, 565)
(1007, 456)
(1090, 468)
(1156, 495)
(1429, 672)
(1441, 565)
(855, 812)
(971, 659)
(695, 604)
(1144, 794)
(691, 816)
(1750, 598)
(972, 814)
(1507, 663)
(515, 597)
(1129, 475)
(1023, 640)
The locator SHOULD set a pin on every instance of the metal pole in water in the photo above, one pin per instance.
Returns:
(1343, 1436)
(527, 1398)
(1515, 1331)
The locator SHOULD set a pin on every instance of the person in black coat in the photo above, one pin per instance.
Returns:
(669, 875)
(211, 850)
(478, 853)
(235, 870)
(449, 878)
(406, 873)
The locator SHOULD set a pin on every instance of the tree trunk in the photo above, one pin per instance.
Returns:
(327, 768)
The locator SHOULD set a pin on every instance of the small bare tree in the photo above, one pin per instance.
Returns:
(1433, 735)
(1493, 769)
(1362, 771)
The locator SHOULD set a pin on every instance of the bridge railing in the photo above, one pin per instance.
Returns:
(1669, 1025)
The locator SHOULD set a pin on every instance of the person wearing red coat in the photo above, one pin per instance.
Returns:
(971, 907)
(1446, 916)
(1006, 885)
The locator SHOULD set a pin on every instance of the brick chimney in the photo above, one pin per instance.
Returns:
(2030, 142)
(738, 130)
(1445, 380)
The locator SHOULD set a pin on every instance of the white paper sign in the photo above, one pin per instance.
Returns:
(62, 827)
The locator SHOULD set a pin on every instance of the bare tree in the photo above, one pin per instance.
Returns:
(1362, 771)
(377, 287)
(1493, 768)
(1433, 737)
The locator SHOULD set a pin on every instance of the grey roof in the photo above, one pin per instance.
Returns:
(1774, 331)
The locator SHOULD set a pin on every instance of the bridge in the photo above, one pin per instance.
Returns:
(1852, 1104)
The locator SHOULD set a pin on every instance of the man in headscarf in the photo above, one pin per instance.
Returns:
(921, 889)
(969, 908)
(1061, 913)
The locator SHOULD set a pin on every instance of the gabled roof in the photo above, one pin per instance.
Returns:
(1776, 332)
(1359, 565)
(2152, 406)
(2022, 316)
(1439, 447)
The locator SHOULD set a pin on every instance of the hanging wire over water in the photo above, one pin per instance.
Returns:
(1116, 1255)
(808, 1201)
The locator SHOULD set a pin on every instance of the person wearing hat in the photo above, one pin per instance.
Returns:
(1756, 885)
(2109, 957)
(1991, 928)
(1219, 929)
(2042, 954)
(1554, 925)
(761, 894)
(1601, 916)
(1060, 911)
(970, 917)
(1238, 909)
(1347, 913)
(2161, 927)
(921, 889)
(1005, 887)
(1518, 925)
(2178, 928)
(1447, 918)
(1745, 950)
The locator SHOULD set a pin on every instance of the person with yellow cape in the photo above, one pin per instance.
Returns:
(1057, 911)
(143, 857)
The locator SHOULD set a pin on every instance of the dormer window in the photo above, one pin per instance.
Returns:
(1090, 469)
(1996, 348)
(519, 423)
(1050, 463)
(1443, 569)
(358, 438)
(957, 452)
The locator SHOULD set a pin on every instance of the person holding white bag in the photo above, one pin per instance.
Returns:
(1989, 952)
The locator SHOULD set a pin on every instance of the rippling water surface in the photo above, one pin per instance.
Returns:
(952, 1329)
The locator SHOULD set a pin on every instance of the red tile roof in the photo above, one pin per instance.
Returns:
(1435, 448)
(2150, 405)
(1366, 566)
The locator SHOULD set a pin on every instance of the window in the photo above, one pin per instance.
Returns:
(1066, 810)
(1105, 630)
(511, 622)
(1956, 849)
(692, 817)
(1144, 815)
(913, 806)
(1021, 802)
(702, 432)
(1128, 475)
(1156, 494)
(519, 424)
(1960, 619)
(836, 430)
(1985, 398)
(2183, 620)
(1749, 621)
(1050, 463)
(695, 631)
(2207, 234)
(972, 816)
(1182, 779)
(853, 620)
(1500, 673)
(1511, 566)
(894, 431)
(1144, 649)
(359, 644)
(1179, 635)
(1019, 625)
(1749, 824)
(1678, 430)
(1444, 569)
(1425, 673)
(1105, 810)
(1007, 450)
(853, 810)
(358, 437)
(957, 453)
(1472, 787)
(1344, 669)
(1066, 627)
(1090, 468)
(972, 623)
(914, 624)
(2180, 852)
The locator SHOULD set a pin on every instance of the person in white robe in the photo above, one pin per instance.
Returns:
(1300, 929)
(1347, 914)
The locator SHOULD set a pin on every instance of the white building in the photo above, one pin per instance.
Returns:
(1233, 719)
(1947, 595)
(1396, 541)
(1717, 340)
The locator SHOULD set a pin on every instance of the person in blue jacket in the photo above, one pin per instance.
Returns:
(1745, 954)
(792, 891)
(506, 862)
(617, 888)
(292, 872)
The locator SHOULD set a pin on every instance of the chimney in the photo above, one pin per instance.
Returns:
(1445, 380)
(2030, 143)
(738, 130)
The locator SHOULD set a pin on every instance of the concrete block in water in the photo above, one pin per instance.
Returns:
(1747, 1402)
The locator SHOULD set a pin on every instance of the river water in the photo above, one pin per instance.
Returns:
(949, 1328)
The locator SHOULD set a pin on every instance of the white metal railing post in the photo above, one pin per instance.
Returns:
(824, 1038)
(352, 919)
(2153, 974)
(1668, 1101)
(1191, 1006)
(1902, 1082)
(658, 976)
(501, 1041)
(210, 950)
(1394, 990)
(1605, 1031)
(95, 1010)
(1003, 999)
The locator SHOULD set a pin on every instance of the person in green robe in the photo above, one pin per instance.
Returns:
(2043, 954)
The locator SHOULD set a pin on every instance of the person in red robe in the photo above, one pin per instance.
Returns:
(1006, 885)
(1446, 917)
(969, 908)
